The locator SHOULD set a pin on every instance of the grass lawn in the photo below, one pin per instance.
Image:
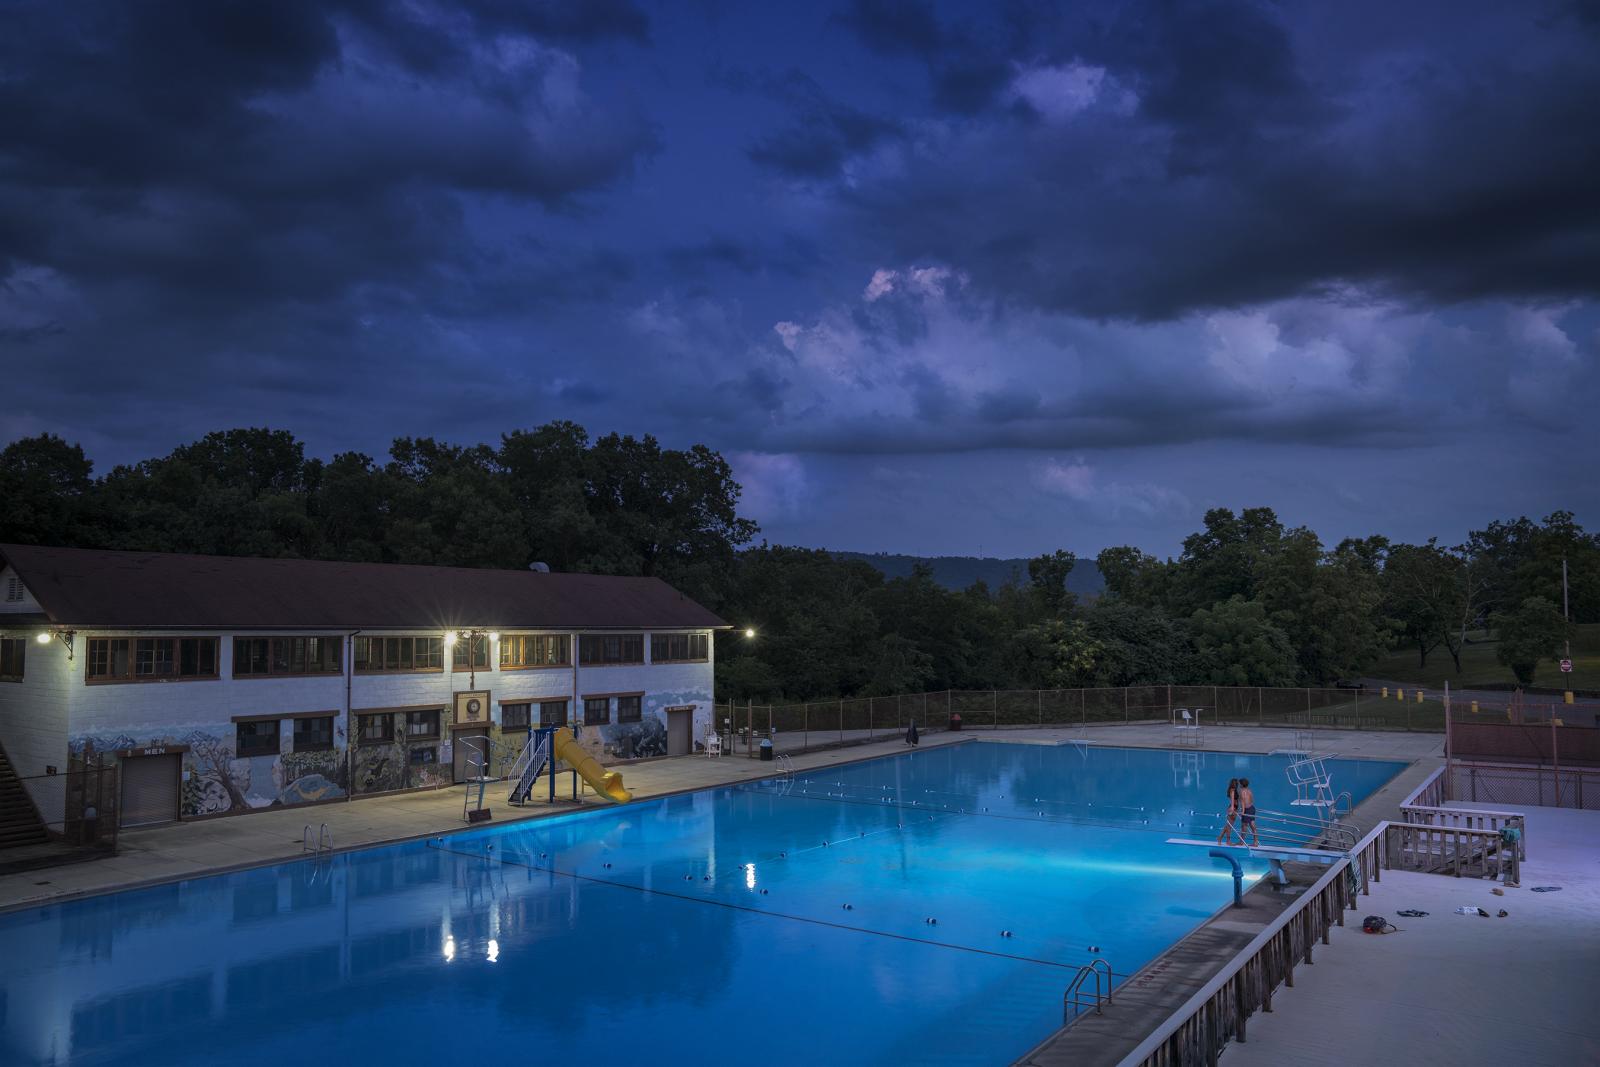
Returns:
(1478, 665)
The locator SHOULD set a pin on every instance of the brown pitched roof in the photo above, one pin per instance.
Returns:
(87, 587)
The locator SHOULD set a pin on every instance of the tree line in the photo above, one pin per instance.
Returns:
(1248, 601)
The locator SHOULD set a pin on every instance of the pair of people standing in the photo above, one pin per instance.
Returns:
(1241, 806)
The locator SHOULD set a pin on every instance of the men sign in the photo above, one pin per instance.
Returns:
(1566, 666)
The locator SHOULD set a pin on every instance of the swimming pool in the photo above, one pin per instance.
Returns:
(780, 923)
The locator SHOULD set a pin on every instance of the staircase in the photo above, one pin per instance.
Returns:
(19, 821)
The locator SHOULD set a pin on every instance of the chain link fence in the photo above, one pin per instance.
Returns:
(800, 727)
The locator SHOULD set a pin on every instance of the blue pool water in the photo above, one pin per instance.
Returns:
(705, 928)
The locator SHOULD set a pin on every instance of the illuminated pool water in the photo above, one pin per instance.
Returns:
(783, 924)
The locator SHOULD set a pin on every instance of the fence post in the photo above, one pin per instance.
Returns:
(949, 707)
(1215, 705)
(1124, 706)
(994, 709)
(841, 720)
(1041, 707)
(1261, 709)
(805, 726)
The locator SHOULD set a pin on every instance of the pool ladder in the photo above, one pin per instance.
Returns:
(1078, 997)
(322, 842)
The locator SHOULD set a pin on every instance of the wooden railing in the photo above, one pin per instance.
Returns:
(1471, 819)
(1449, 850)
(1431, 793)
(1197, 1032)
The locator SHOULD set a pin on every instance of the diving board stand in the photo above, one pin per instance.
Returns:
(1275, 855)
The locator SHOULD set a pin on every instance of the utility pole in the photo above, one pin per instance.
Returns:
(1565, 614)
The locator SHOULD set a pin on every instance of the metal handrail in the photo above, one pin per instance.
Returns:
(1074, 996)
(522, 779)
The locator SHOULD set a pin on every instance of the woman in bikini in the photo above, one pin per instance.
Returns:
(1225, 837)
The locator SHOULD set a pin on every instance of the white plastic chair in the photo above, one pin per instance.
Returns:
(713, 744)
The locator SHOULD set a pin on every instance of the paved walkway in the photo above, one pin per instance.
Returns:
(210, 846)
(1455, 989)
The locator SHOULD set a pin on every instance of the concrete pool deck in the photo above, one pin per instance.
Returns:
(1455, 989)
(210, 846)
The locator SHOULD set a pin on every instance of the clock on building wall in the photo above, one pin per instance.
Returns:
(474, 705)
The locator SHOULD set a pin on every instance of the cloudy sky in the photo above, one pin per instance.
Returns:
(941, 278)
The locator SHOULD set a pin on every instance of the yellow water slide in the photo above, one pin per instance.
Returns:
(607, 783)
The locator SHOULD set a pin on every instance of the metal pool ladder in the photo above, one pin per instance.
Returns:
(1077, 998)
(323, 840)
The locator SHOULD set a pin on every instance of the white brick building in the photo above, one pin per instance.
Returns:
(224, 684)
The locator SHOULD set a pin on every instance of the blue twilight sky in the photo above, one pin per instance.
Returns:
(939, 278)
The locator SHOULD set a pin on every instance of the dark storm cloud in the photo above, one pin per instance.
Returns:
(1212, 169)
(1084, 232)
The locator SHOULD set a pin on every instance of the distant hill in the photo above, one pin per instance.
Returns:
(958, 572)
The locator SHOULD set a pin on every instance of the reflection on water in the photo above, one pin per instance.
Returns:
(628, 933)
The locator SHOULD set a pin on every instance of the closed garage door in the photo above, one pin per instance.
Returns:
(150, 789)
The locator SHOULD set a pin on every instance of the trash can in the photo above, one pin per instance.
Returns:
(766, 749)
(955, 720)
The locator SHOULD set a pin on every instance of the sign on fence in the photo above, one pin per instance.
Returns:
(1566, 666)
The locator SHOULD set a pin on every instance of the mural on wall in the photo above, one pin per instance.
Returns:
(216, 781)
(398, 764)
(647, 738)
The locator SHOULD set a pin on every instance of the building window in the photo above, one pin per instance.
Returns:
(254, 657)
(611, 648)
(313, 734)
(258, 738)
(375, 655)
(420, 757)
(515, 716)
(553, 713)
(375, 729)
(13, 589)
(596, 711)
(140, 659)
(13, 656)
(422, 725)
(479, 645)
(535, 650)
(630, 709)
(679, 648)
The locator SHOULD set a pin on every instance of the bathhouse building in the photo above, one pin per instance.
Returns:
(222, 684)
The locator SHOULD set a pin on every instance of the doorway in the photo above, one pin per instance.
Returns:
(150, 786)
(680, 730)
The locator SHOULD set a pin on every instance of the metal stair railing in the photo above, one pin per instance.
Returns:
(1077, 998)
(525, 769)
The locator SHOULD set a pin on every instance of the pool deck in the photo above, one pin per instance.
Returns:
(1455, 989)
(211, 846)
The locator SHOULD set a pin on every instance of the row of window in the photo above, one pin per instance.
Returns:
(116, 659)
(260, 737)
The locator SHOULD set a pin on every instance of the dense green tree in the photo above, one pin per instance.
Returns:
(1237, 644)
(1047, 578)
(1421, 589)
(1532, 631)
(1136, 646)
(1326, 604)
(1054, 654)
(43, 483)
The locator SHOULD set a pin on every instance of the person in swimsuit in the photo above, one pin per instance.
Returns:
(1247, 809)
(1226, 836)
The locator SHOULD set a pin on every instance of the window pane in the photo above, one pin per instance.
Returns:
(553, 713)
(258, 738)
(514, 716)
(629, 709)
(312, 735)
(596, 711)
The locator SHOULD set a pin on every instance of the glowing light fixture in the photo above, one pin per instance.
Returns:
(749, 631)
(749, 876)
(495, 636)
(44, 637)
(449, 639)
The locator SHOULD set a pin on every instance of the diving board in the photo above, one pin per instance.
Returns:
(1280, 853)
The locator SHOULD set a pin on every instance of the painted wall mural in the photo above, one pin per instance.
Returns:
(217, 781)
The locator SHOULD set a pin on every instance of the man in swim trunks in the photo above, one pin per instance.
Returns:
(1247, 811)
